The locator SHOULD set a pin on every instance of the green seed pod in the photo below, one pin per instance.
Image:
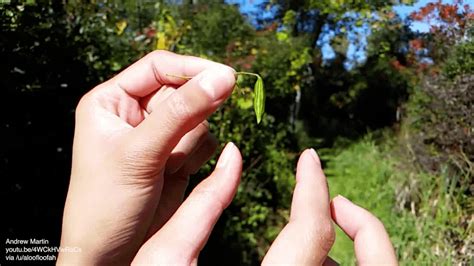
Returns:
(259, 92)
(259, 99)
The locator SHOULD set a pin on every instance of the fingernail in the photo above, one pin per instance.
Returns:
(343, 198)
(225, 156)
(217, 82)
(314, 155)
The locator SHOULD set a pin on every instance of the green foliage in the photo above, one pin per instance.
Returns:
(258, 95)
(424, 213)
(361, 173)
(309, 102)
(282, 64)
(431, 225)
(436, 151)
(213, 27)
(337, 20)
(260, 207)
(461, 61)
(440, 123)
(261, 203)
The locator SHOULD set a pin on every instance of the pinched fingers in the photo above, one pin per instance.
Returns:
(182, 111)
(160, 68)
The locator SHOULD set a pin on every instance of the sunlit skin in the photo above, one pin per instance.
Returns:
(138, 138)
(259, 92)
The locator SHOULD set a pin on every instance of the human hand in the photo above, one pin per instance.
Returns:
(181, 239)
(138, 137)
(305, 240)
(309, 235)
(371, 242)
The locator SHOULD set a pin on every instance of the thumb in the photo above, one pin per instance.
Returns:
(182, 111)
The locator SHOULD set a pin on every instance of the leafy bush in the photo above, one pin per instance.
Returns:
(54, 52)
(461, 61)
(424, 213)
(439, 122)
(361, 173)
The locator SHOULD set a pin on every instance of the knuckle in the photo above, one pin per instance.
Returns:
(90, 98)
(205, 125)
(208, 197)
(160, 254)
(377, 223)
(179, 111)
(138, 162)
(158, 53)
(202, 131)
(84, 105)
(321, 233)
(83, 102)
(327, 235)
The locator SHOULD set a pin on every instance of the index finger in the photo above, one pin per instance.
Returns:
(181, 239)
(308, 237)
(159, 68)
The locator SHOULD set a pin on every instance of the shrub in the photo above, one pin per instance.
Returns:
(461, 61)
(424, 213)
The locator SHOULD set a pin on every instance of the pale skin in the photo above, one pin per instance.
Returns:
(138, 138)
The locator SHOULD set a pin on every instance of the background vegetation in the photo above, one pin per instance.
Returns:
(391, 112)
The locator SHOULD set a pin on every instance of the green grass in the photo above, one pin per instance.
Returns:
(425, 214)
(360, 174)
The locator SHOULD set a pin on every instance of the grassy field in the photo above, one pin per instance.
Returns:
(423, 212)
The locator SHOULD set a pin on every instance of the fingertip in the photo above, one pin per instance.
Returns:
(192, 223)
(339, 199)
(230, 70)
(229, 166)
(339, 207)
(315, 156)
(311, 188)
(308, 164)
(217, 82)
(347, 215)
(344, 210)
(229, 153)
(231, 146)
(234, 149)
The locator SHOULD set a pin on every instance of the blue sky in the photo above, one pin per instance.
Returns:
(354, 54)
(249, 6)
(404, 11)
